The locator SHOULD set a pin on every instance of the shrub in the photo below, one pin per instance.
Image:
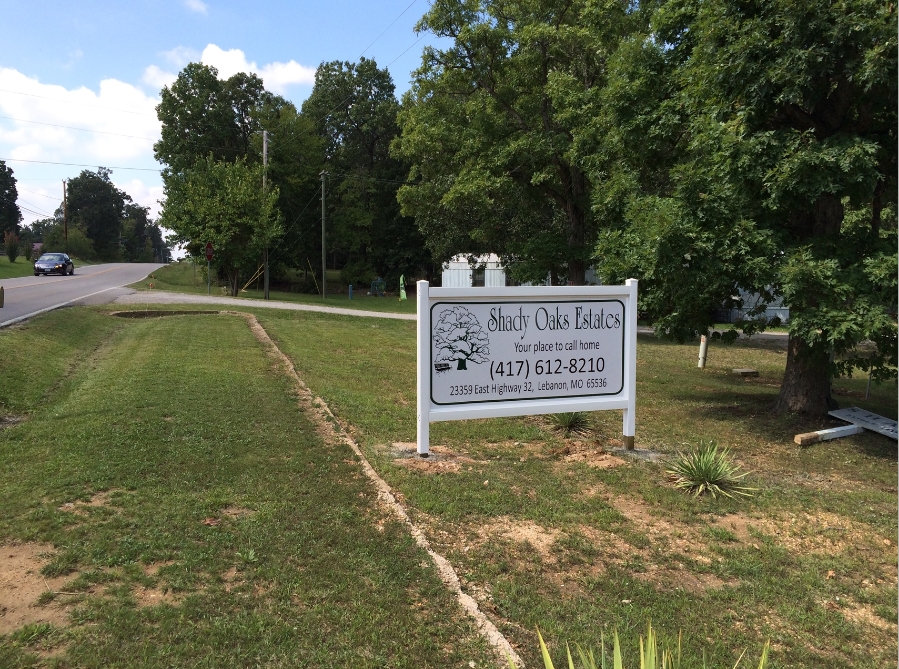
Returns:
(652, 656)
(706, 469)
(359, 273)
(574, 422)
(11, 245)
(29, 250)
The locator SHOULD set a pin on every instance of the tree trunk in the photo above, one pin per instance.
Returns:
(577, 225)
(807, 377)
(806, 383)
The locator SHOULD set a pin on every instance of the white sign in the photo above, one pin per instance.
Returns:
(501, 351)
(490, 352)
(867, 420)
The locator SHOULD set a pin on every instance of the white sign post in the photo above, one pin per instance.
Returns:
(488, 353)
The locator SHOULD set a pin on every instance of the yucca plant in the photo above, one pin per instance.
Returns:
(707, 469)
(572, 422)
(651, 656)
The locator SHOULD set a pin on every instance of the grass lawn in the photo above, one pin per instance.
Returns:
(181, 278)
(12, 270)
(178, 508)
(23, 267)
(578, 539)
(168, 503)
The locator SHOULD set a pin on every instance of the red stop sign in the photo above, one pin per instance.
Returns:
(209, 251)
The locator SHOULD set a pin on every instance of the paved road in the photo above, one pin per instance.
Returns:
(94, 284)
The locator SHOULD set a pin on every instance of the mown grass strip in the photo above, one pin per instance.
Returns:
(263, 542)
(543, 539)
(37, 357)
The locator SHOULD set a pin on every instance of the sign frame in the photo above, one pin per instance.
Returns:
(431, 412)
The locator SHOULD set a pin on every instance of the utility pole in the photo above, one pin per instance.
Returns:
(65, 215)
(264, 170)
(324, 257)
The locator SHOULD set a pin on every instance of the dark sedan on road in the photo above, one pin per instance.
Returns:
(54, 263)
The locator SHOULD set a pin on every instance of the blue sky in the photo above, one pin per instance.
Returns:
(98, 66)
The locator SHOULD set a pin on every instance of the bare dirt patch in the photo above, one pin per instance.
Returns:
(592, 454)
(820, 533)
(681, 579)
(8, 420)
(153, 568)
(21, 585)
(864, 616)
(236, 512)
(79, 508)
(541, 539)
(440, 458)
(154, 597)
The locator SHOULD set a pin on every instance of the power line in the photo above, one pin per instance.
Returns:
(69, 127)
(35, 210)
(296, 220)
(81, 104)
(388, 28)
(404, 52)
(30, 211)
(50, 197)
(48, 162)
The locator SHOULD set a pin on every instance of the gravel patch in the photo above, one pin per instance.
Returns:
(161, 297)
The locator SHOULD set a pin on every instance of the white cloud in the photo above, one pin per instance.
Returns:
(143, 194)
(113, 125)
(156, 77)
(181, 56)
(197, 6)
(117, 126)
(277, 76)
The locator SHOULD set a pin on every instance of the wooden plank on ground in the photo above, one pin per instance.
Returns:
(825, 435)
(868, 420)
(745, 371)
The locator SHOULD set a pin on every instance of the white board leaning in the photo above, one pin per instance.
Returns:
(493, 352)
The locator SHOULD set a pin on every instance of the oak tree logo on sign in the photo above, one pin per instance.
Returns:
(458, 336)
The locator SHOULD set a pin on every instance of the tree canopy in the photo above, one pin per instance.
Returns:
(785, 184)
(491, 128)
(10, 214)
(353, 109)
(202, 115)
(711, 149)
(222, 203)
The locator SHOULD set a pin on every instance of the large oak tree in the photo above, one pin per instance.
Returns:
(785, 183)
(491, 128)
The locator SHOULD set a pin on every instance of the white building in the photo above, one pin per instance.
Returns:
(457, 273)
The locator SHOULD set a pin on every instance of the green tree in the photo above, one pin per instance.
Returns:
(78, 244)
(38, 228)
(787, 182)
(10, 215)
(137, 245)
(294, 163)
(354, 109)
(97, 207)
(490, 127)
(203, 115)
(11, 245)
(223, 203)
